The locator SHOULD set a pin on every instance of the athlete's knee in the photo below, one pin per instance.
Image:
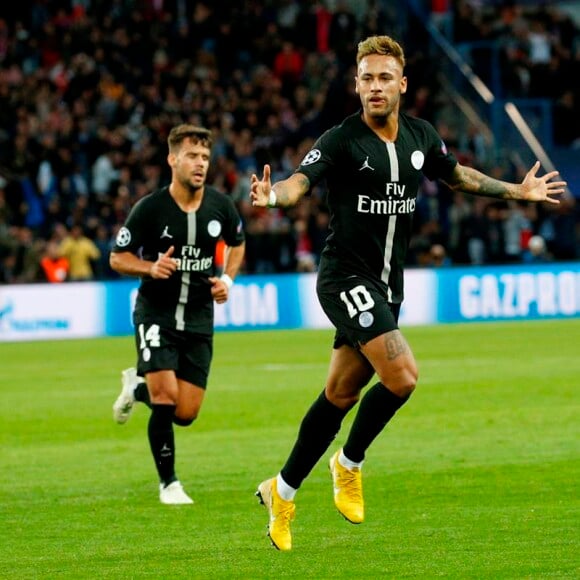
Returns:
(406, 387)
(183, 422)
(185, 417)
(344, 395)
(403, 381)
(343, 401)
(163, 399)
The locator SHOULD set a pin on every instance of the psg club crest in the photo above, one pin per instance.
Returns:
(365, 319)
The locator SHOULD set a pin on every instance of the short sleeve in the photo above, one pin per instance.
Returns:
(234, 233)
(130, 237)
(322, 157)
(439, 162)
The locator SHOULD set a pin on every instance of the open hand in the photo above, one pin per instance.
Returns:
(542, 188)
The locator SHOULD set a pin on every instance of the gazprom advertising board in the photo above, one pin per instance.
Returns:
(286, 301)
(508, 293)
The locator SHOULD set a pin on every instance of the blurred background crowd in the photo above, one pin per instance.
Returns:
(89, 90)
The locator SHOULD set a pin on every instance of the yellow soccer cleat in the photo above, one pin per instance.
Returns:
(348, 497)
(281, 513)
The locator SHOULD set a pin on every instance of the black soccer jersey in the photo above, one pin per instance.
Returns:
(372, 192)
(155, 224)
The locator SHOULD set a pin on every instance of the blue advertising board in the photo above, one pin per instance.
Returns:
(287, 301)
(508, 292)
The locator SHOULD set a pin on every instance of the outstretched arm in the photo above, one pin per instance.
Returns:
(282, 194)
(532, 188)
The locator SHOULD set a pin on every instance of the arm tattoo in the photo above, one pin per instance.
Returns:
(304, 182)
(289, 193)
(470, 180)
(396, 344)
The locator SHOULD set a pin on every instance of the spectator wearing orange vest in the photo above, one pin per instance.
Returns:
(54, 267)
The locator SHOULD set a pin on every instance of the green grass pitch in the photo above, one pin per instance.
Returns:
(477, 477)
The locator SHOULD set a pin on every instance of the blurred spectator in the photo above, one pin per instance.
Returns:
(495, 233)
(559, 229)
(459, 212)
(419, 252)
(288, 67)
(54, 266)
(305, 259)
(81, 252)
(442, 17)
(518, 229)
(473, 238)
(439, 257)
(7, 262)
(567, 119)
(26, 253)
(314, 21)
(343, 30)
(104, 242)
(536, 251)
(104, 173)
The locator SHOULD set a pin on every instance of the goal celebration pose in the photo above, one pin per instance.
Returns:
(373, 164)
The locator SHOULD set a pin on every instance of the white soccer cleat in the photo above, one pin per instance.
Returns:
(123, 406)
(173, 494)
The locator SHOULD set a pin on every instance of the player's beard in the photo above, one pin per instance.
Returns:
(192, 187)
(192, 183)
(381, 116)
(378, 118)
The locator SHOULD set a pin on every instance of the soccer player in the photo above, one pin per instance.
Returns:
(169, 240)
(373, 163)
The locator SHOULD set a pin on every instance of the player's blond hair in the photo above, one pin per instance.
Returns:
(380, 45)
(180, 133)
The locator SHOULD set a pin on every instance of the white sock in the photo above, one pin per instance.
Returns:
(346, 462)
(286, 492)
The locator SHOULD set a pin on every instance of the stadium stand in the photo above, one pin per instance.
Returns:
(90, 88)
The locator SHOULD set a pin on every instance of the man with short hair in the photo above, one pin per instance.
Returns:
(169, 240)
(373, 163)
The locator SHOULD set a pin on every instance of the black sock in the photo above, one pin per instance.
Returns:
(162, 441)
(142, 394)
(376, 409)
(317, 431)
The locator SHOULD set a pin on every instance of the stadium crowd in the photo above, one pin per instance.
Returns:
(90, 88)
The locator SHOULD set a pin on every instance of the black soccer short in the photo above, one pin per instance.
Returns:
(358, 309)
(188, 354)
